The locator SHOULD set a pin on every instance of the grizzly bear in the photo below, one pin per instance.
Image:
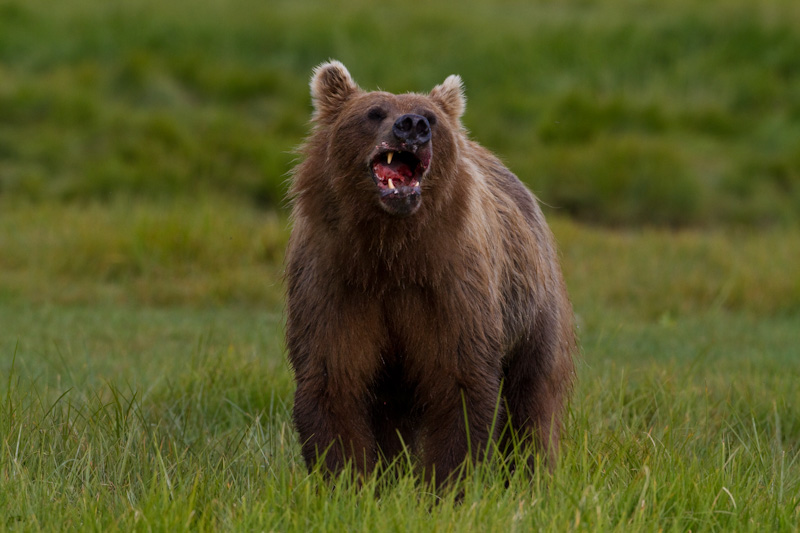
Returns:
(426, 309)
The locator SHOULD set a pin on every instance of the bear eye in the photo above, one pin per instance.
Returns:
(376, 114)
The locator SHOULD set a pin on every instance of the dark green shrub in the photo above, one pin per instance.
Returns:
(619, 181)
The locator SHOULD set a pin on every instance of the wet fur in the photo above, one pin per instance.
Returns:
(396, 325)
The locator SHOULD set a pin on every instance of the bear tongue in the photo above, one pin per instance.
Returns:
(397, 173)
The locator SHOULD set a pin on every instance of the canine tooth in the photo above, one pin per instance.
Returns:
(391, 185)
(389, 156)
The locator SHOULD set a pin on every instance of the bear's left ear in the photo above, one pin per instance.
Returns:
(331, 86)
(450, 95)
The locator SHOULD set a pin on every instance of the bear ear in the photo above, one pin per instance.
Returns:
(331, 86)
(450, 95)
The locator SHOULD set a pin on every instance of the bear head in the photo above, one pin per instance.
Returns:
(384, 150)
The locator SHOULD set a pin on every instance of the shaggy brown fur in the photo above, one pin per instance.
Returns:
(411, 306)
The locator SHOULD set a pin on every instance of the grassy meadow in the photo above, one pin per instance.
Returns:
(144, 151)
(145, 386)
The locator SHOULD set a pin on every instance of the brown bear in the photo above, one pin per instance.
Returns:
(425, 303)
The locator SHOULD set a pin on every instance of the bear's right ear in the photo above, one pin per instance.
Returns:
(331, 86)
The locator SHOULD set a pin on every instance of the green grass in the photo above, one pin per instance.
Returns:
(145, 397)
(623, 112)
(164, 253)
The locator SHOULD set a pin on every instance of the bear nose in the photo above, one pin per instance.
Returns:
(412, 129)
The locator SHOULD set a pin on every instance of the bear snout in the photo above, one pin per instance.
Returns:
(412, 129)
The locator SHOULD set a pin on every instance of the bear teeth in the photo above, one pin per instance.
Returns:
(391, 185)
(389, 156)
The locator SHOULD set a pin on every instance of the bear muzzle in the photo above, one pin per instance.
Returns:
(399, 165)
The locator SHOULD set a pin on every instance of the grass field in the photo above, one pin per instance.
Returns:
(144, 150)
(145, 386)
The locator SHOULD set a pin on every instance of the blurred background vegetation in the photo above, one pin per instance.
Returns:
(626, 112)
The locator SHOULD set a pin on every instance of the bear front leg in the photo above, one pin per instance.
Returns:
(459, 422)
(534, 410)
(333, 425)
(538, 378)
(334, 349)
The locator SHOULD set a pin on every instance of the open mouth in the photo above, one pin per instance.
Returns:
(397, 173)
